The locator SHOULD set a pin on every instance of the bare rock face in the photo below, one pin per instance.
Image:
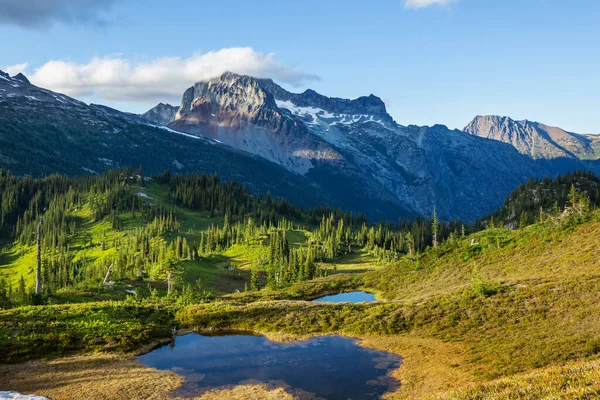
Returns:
(235, 110)
(534, 139)
(162, 114)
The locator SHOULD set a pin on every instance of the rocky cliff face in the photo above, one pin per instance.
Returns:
(162, 114)
(239, 112)
(236, 111)
(534, 139)
(423, 167)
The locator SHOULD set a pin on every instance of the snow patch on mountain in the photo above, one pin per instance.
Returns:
(318, 117)
(174, 131)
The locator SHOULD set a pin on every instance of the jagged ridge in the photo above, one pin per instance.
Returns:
(533, 138)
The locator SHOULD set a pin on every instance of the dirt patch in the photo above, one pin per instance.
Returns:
(428, 366)
(101, 376)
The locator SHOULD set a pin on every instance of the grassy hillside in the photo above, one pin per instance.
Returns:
(514, 301)
(141, 230)
(495, 314)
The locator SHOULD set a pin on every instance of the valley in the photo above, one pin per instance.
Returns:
(135, 258)
(472, 317)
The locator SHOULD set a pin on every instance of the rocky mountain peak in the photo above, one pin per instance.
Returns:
(22, 78)
(532, 138)
(163, 114)
(230, 91)
(365, 105)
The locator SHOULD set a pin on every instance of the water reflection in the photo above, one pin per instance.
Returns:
(329, 367)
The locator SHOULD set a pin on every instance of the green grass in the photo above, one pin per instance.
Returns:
(214, 275)
(357, 262)
(191, 221)
(515, 301)
(577, 380)
(243, 255)
(18, 261)
(297, 238)
(519, 304)
(27, 332)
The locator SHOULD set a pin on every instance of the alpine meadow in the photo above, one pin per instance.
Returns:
(262, 240)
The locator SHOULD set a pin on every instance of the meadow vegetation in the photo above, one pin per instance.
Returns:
(479, 313)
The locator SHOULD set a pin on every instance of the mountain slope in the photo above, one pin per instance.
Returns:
(534, 139)
(308, 147)
(523, 205)
(339, 143)
(162, 114)
(236, 110)
(43, 132)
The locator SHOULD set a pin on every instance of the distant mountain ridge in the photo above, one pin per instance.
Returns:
(44, 132)
(415, 168)
(534, 139)
(308, 147)
(162, 114)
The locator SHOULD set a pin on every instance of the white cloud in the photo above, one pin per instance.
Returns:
(15, 69)
(426, 3)
(116, 79)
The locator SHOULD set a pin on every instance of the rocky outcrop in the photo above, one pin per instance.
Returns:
(371, 105)
(534, 139)
(237, 111)
(162, 114)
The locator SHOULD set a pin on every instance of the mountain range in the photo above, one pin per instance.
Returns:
(310, 148)
(534, 139)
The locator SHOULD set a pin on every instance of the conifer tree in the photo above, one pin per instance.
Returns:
(254, 281)
(142, 179)
(434, 228)
(38, 268)
(523, 220)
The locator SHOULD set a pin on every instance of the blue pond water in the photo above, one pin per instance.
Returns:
(330, 367)
(352, 297)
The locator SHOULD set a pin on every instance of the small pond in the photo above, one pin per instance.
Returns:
(329, 367)
(351, 297)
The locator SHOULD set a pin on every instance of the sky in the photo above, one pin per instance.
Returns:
(431, 61)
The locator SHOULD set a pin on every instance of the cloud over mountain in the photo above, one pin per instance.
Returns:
(114, 78)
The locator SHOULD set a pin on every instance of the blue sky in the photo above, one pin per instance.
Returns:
(442, 63)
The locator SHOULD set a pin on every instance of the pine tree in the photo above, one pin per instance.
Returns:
(142, 179)
(410, 243)
(573, 196)
(523, 220)
(434, 228)
(254, 281)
